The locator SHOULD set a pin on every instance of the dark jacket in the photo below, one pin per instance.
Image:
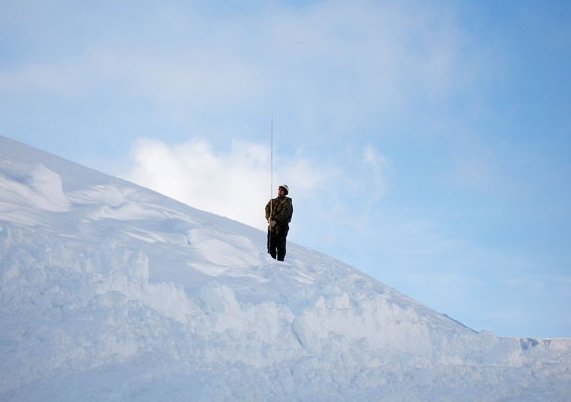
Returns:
(279, 209)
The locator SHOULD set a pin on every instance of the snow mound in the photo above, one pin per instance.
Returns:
(109, 291)
(35, 187)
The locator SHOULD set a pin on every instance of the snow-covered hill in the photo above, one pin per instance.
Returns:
(112, 292)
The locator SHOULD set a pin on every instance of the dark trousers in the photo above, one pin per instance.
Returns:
(277, 242)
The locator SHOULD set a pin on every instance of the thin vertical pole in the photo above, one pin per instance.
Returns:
(271, 165)
(272, 155)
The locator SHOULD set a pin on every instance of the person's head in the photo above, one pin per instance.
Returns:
(283, 190)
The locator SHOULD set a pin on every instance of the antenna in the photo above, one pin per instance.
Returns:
(271, 155)
(271, 166)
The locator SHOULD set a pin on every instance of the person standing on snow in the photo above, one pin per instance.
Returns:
(278, 214)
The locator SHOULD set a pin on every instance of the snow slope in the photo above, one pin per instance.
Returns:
(112, 292)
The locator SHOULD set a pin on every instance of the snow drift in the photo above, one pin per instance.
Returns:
(112, 292)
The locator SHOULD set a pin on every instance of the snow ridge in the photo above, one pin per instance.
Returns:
(109, 291)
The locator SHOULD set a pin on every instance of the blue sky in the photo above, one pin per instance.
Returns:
(425, 142)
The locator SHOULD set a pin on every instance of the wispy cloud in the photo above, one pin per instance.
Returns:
(350, 62)
(235, 182)
(376, 163)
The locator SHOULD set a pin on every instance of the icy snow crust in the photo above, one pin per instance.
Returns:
(111, 292)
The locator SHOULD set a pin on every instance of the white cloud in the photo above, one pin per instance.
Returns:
(377, 164)
(347, 61)
(233, 183)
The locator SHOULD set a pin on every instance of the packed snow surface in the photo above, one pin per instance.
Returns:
(112, 292)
